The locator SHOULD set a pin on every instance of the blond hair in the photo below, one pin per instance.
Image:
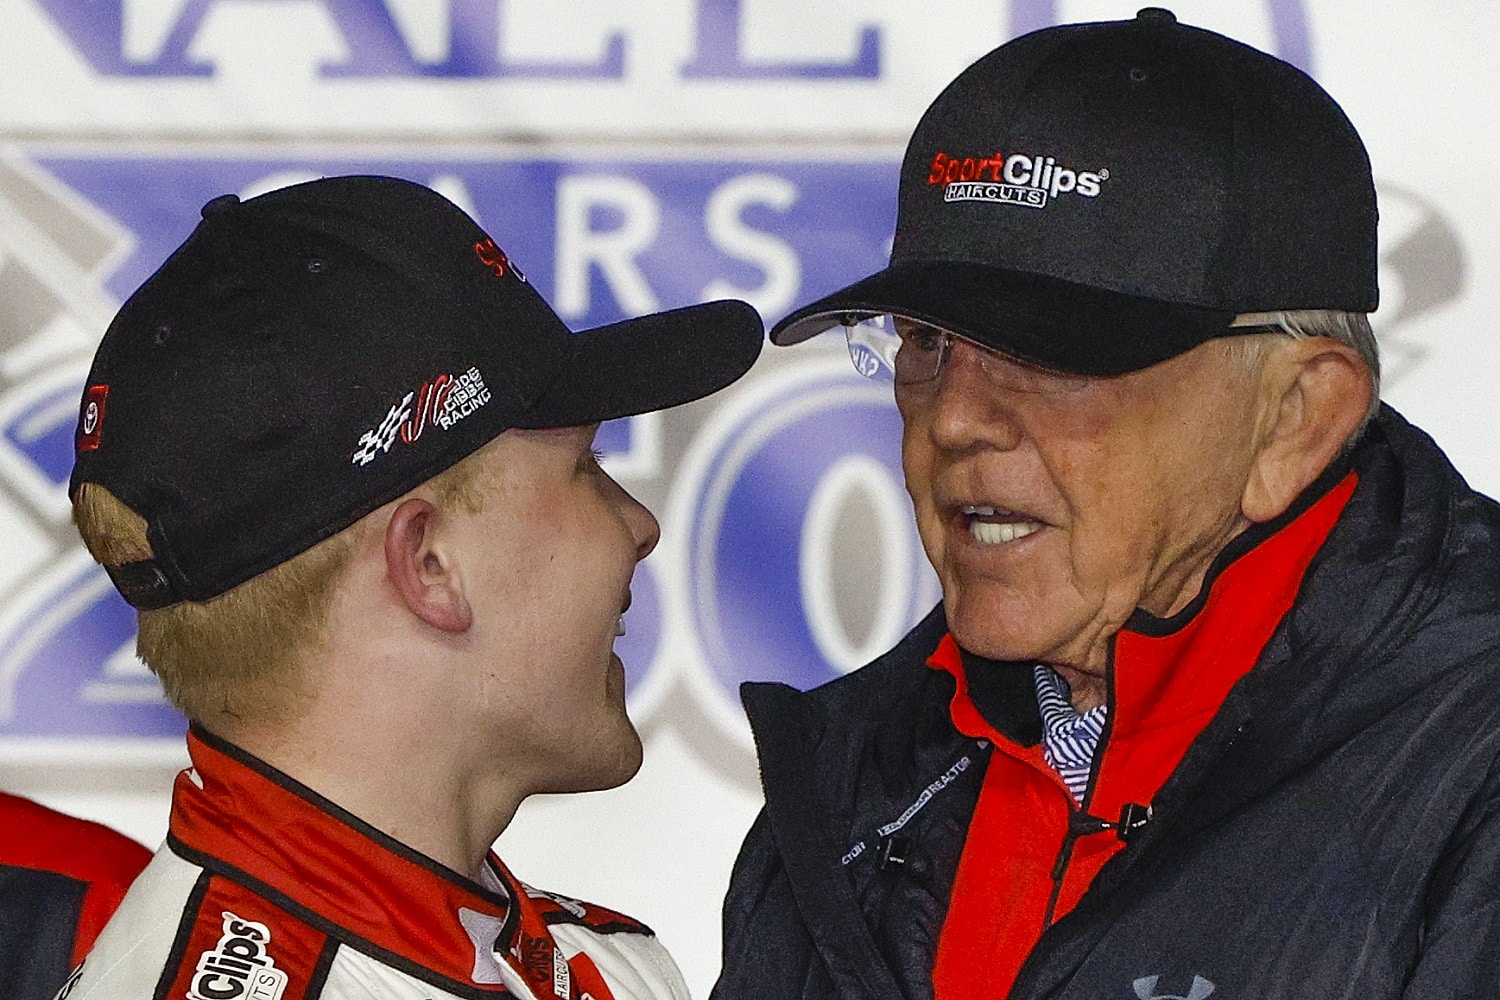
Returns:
(240, 654)
(243, 654)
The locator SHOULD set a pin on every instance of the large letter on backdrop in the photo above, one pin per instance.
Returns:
(97, 30)
(719, 53)
(377, 48)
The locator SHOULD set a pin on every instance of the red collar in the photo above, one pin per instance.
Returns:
(238, 816)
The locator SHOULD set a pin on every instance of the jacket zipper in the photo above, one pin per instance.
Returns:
(1080, 822)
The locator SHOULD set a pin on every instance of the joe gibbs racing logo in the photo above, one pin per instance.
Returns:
(443, 401)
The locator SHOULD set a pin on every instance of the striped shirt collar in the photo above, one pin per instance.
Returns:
(1069, 739)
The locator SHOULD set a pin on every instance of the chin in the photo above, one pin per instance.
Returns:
(977, 626)
(609, 766)
(627, 765)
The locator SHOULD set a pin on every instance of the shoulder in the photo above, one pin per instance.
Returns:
(34, 836)
(1414, 508)
(619, 950)
(889, 685)
(1421, 549)
(185, 931)
(130, 954)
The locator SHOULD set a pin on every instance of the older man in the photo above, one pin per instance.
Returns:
(1212, 702)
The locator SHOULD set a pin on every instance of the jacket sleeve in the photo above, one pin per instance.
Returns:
(1459, 955)
(768, 954)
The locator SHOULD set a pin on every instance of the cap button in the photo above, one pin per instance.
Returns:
(1156, 14)
(220, 205)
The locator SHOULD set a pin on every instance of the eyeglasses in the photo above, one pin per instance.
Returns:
(896, 349)
(891, 348)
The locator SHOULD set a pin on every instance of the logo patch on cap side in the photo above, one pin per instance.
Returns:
(91, 419)
(494, 258)
(442, 401)
(1011, 179)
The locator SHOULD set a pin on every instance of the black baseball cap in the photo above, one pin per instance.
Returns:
(313, 353)
(1096, 198)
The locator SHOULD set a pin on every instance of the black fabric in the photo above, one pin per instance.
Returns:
(1169, 176)
(1333, 832)
(816, 912)
(39, 914)
(1005, 695)
(142, 584)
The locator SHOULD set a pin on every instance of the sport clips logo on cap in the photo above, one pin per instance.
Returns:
(1012, 179)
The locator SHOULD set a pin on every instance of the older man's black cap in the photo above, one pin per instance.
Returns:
(1096, 198)
(313, 353)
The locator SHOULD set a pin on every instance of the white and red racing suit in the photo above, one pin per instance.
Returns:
(265, 890)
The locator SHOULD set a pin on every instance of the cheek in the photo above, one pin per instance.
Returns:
(1142, 497)
(596, 562)
(917, 456)
(1109, 487)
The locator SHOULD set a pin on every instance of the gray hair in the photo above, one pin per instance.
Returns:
(1349, 328)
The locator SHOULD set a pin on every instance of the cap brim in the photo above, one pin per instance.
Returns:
(650, 363)
(1041, 320)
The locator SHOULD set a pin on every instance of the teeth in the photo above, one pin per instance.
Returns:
(620, 626)
(997, 532)
(988, 533)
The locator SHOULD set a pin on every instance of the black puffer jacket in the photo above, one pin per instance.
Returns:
(1333, 833)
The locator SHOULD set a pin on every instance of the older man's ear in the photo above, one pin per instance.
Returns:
(1315, 392)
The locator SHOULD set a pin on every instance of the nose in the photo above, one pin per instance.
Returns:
(644, 527)
(969, 409)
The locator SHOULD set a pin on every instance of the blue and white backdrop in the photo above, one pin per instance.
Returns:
(631, 155)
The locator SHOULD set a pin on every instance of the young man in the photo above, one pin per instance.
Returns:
(338, 453)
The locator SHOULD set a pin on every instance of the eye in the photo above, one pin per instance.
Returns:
(921, 338)
(589, 462)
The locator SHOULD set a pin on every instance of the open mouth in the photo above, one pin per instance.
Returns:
(996, 525)
(620, 622)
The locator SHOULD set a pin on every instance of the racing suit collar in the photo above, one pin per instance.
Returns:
(240, 817)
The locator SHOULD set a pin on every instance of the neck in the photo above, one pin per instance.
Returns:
(399, 766)
(1086, 690)
(1177, 586)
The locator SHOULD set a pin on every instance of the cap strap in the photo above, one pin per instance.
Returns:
(143, 585)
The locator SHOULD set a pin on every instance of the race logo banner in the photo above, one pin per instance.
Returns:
(787, 550)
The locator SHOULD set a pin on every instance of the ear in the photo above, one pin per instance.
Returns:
(422, 571)
(1315, 392)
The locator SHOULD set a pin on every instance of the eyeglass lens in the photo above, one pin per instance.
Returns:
(896, 350)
